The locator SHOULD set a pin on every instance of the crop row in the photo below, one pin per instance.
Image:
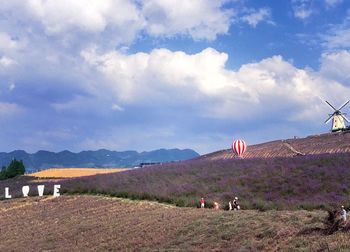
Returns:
(305, 182)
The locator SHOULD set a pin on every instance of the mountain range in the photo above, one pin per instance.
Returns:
(100, 158)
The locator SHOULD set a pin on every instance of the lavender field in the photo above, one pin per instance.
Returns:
(305, 182)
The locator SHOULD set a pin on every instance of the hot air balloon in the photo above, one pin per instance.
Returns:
(239, 147)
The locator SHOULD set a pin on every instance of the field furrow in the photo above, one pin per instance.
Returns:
(94, 223)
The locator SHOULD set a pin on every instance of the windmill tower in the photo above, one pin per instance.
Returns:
(338, 117)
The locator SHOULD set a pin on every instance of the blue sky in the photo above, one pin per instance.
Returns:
(142, 75)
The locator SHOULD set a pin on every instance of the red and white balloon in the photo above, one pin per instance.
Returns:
(239, 147)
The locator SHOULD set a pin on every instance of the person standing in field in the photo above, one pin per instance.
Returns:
(343, 213)
(216, 205)
(202, 203)
(235, 204)
(230, 206)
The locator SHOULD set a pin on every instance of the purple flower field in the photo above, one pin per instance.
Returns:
(301, 182)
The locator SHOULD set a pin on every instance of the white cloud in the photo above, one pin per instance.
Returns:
(302, 8)
(117, 107)
(8, 109)
(163, 77)
(141, 76)
(91, 16)
(201, 19)
(338, 36)
(6, 62)
(78, 103)
(332, 3)
(12, 86)
(302, 13)
(8, 44)
(119, 20)
(336, 66)
(256, 16)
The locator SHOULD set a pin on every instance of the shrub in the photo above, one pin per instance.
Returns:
(263, 205)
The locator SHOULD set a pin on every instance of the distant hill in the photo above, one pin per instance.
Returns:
(90, 159)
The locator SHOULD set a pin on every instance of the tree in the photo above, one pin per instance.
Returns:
(14, 169)
(3, 173)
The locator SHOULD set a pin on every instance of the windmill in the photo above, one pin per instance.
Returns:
(338, 117)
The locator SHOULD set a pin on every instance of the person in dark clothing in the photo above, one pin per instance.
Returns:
(235, 204)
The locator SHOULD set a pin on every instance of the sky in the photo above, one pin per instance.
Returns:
(150, 74)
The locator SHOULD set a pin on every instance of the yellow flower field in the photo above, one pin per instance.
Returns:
(74, 172)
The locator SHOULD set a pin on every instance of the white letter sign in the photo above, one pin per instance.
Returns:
(25, 191)
(41, 190)
(56, 190)
(7, 194)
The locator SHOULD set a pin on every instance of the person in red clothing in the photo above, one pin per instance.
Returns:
(202, 203)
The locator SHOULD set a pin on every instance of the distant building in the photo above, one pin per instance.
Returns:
(148, 164)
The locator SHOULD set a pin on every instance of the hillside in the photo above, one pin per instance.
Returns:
(312, 145)
(91, 159)
(87, 223)
(303, 182)
(293, 182)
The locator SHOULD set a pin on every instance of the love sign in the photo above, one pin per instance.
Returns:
(40, 188)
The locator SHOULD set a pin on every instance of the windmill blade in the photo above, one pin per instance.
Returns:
(329, 118)
(346, 119)
(342, 106)
(331, 106)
